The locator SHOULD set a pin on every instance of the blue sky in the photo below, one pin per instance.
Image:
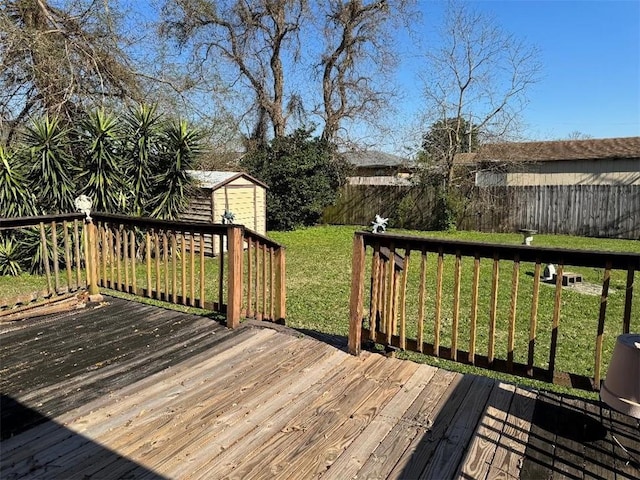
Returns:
(591, 64)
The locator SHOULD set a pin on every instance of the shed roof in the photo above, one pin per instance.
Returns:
(215, 179)
(592, 149)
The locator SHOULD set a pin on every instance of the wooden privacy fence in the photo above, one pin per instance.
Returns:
(59, 244)
(447, 299)
(588, 210)
(166, 260)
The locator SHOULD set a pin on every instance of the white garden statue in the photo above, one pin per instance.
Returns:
(84, 204)
(379, 224)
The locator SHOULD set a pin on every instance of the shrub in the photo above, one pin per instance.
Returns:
(303, 176)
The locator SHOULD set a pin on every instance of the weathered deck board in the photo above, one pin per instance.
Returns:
(203, 402)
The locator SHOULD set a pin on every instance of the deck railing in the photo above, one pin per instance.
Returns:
(60, 243)
(453, 304)
(165, 260)
(172, 261)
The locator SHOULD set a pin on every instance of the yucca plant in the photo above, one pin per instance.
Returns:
(9, 256)
(101, 150)
(172, 184)
(16, 200)
(142, 136)
(46, 148)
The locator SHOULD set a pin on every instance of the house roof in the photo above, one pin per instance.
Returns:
(592, 149)
(375, 159)
(215, 179)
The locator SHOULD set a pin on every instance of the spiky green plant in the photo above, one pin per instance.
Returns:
(46, 148)
(9, 256)
(102, 178)
(172, 184)
(16, 200)
(142, 135)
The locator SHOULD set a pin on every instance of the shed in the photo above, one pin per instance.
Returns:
(235, 192)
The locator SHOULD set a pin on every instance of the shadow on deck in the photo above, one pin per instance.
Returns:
(133, 391)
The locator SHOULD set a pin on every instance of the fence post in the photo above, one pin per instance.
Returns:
(235, 248)
(281, 289)
(92, 261)
(355, 299)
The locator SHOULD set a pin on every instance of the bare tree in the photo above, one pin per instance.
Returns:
(247, 39)
(358, 60)
(478, 77)
(60, 58)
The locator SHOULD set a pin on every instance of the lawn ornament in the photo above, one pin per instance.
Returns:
(84, 204)
(549, 272)
(379, 224)
(228, 217)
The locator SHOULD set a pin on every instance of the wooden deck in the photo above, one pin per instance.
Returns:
(133, 391)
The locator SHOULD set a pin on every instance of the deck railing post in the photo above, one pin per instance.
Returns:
(356, 296)
(281, 289)
(235, 240)
(92, 261)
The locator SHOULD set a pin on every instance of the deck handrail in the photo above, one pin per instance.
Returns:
(64, 246)
(175, 254)
(387, 322)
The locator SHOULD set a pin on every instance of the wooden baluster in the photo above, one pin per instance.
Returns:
(67, 253)
(103, 246)
(249, 313)
(555, 323)
(512, 313)
(628, 299)
(183, 260)
(257, 275)
(174, 268)
(438, 305)
(118, 254)
(272, 292)
(192, 245)
(456, 307)
(601, 318)
(495, 282)
(474, 310)
(382, 297)
(125, 257)
(281, 286)
(55, 259)
(147, 236)
(132, 255)
(374, 307)
(220, 272)
(45, 258)
(534, 318)
(421, 298)
(391, 292)
(76, 243)
(403, 300)
(264, 281)
(165, 265)
(112, 256)
(202, 268)
(156, 241)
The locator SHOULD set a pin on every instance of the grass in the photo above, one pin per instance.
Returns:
(318, 283)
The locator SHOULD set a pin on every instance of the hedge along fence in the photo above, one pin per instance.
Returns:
(588, 210)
